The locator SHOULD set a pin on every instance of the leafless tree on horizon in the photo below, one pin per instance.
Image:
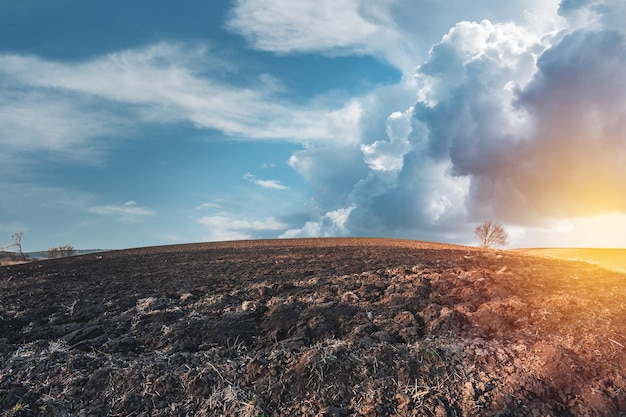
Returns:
(17, 243)
(491, 234)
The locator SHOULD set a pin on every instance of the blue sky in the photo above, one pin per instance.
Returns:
(126, 124)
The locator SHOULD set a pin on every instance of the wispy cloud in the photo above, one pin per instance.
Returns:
(209, 205)
(58, 105)
(128, 211)
(272, 184)
(399, 32)
(35, 119)
(225, 226)
(334, 27)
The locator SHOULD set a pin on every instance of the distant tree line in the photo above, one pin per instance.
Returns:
(61, 251)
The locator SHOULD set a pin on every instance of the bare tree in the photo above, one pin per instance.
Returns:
(491, 234)
(17, 243)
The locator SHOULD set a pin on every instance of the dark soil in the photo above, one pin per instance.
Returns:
(318, 327)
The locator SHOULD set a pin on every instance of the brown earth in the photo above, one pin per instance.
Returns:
(318, 327)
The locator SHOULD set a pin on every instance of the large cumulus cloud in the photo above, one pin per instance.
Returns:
(545, 147)
(525, 123)
(572, 162)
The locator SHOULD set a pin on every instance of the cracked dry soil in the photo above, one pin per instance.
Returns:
(313, 327)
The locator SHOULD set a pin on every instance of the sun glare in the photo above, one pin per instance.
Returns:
(602, 231)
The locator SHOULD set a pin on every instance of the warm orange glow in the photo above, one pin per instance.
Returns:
(603, 231)
(610, 258)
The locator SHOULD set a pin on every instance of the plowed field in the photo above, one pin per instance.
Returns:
(313, 327)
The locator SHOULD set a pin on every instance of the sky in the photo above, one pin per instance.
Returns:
(153, 122)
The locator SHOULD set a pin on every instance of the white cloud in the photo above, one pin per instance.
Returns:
(209, 205)
(388, 155)
(347, 26)
(594, 14)
(333, 223)
(128, 211)
(271, 184)
(225, 226)
(334, 27)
